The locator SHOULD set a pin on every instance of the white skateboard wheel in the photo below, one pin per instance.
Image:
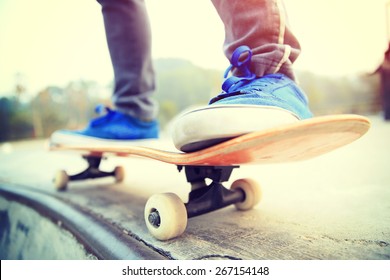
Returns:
(119, 173)
(165, 216)
(252, 193)
(61, 180)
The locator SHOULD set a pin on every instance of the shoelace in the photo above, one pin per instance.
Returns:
(242, 66)
(100, 110)
(232, 83)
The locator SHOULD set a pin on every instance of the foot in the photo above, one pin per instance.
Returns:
(113, 126)
(246, 104)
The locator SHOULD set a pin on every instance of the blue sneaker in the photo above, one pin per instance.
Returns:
(246, 104)
(112, 126)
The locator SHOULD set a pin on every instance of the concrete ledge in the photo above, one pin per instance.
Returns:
(99, 238)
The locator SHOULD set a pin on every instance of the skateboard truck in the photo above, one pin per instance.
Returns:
(205, 198)
(91, 172)
(166, 215)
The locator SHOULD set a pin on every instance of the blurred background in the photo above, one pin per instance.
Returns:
(55, 66)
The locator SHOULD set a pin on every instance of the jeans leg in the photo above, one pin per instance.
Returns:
(129, 41)
(261, 25)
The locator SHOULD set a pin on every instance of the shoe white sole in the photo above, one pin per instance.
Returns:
(210, 125)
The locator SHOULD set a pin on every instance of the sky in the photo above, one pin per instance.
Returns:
(52, 42)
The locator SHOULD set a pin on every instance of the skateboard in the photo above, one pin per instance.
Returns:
(166, 215)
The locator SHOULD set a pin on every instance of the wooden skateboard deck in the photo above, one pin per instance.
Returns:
(299, 141)
(166, 215)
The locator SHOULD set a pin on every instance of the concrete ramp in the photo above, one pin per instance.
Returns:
(36, 225)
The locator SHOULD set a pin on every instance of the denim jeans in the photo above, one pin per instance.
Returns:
(259, 24)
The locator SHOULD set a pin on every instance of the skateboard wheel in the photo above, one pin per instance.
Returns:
(119, 173)
(165, 216)
(252, 192)
(61, 180)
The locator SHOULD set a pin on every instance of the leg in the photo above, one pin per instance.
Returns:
(128, 37)
(261, 25)
(261, 93)
(129, 41)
